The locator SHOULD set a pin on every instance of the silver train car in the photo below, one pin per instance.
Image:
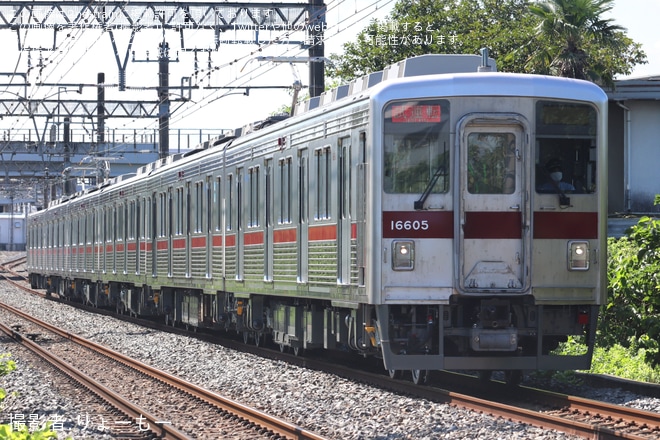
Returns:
(432, 215)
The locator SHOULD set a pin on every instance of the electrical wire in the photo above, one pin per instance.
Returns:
(240, 81)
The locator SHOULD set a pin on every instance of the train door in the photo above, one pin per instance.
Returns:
(493, 232)
(344, 188)
(303, 214)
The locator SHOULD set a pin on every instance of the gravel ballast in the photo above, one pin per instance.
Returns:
(317, 401)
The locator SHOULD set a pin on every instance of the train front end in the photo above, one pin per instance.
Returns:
(488, 193)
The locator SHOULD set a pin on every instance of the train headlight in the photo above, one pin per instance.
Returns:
(578, 255)
(403, 255)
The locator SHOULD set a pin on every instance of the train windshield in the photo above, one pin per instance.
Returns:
(416, 147)
(565, 148)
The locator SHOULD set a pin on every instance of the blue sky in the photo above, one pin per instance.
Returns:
(640, 18)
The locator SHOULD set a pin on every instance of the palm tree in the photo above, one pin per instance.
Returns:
(567, 30)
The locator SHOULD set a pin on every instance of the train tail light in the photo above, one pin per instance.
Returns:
(403, 255)
(583, 317)
(578, 255)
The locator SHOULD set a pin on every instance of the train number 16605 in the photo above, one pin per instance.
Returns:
(418, 224)
(409, 225)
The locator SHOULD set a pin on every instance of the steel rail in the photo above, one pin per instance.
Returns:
(278, 426)
(595, 409)
(123, 405)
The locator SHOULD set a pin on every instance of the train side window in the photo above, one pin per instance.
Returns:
(565, 148)
(131, 220)
(120, 223)
(127, 221)
(83, 230)
(416, 147)
(303, 180)
(230, 203)
(217, 197)
(284, 214)
(187, 210)
(322, 156)
(208, 185)
(178, 208)
(344, 177)
(199, 207)
(253, 194)
(239, 199)
(148, 212)
(170, 213)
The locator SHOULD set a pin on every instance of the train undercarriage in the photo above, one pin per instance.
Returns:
(470, 333)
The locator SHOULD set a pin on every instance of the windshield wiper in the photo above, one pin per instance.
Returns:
(419, 204)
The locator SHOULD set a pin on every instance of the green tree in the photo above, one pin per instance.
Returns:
(632, 314)
(558, 37)
(418, 27)
(573, 40)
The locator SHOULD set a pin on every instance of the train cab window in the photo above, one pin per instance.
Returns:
(565, 148)
(416, 147)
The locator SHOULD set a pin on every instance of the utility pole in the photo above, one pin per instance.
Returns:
(316, 50)
(100, 109)
(163, 99)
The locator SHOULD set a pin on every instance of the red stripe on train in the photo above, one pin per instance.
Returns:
(198, 242)
(494, 225)
(252, 238)
(566, 225)
(320, 233)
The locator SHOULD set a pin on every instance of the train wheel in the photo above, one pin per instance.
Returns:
(297, 351)
(257, 338)
(246, 337)
(419, 377)
(282, 348)
(394, 374)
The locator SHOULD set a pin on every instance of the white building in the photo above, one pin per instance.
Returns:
(634, 146)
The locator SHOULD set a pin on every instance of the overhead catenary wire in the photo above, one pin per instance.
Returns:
(189, 110)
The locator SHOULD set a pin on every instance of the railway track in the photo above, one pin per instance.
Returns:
(569, 414)
(146, 399)
(582, 417)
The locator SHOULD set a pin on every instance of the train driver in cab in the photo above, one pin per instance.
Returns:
(554, 176)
